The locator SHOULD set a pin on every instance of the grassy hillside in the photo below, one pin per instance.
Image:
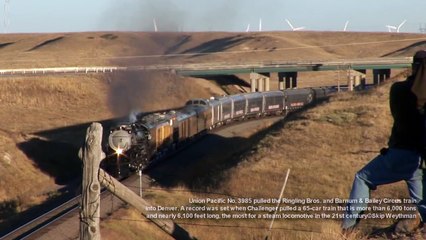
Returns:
(123, 48)
(35, 165)
(323, 147)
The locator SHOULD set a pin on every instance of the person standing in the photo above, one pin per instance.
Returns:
(402, 160)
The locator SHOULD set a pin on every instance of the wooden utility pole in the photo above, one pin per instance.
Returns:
(91, 155)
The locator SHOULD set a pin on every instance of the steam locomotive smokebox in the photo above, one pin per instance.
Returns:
(120, 140)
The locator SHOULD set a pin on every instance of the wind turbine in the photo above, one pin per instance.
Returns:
(155, 25)
(400, 25)
(6, 20)
(248, 28)
(260, 24)
(293, 28)
(346, 26)
(390, 27)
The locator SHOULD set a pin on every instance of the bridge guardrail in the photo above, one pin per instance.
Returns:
(338, 64)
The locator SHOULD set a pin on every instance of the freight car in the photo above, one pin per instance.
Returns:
(153, 136)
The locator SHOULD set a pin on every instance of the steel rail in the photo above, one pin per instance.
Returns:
(42, 220)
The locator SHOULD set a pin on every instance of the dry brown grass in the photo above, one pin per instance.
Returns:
(129, 224)
(323, 147)
(31, 104)
(81, 49)
(38, 103)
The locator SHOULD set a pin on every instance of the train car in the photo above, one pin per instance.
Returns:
(186, 124)
(322, 92)
(255, 104)
(273, 102)
(161, 133)
(226, 109)
(160, 129)
(239, 106)
(202, 108)
(212, 113)
(205, 113)
(297, 98)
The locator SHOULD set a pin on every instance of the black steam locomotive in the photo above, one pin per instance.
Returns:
(152, 136)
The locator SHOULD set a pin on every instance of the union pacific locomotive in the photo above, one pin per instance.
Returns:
(152, 136)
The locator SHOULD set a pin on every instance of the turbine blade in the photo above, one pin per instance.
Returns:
(400, 25)
(260, 24)
(289, 23)
(155, 25)
(346, 26)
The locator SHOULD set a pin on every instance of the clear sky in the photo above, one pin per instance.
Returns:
(209, 15)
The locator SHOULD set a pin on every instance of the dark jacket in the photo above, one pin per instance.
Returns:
(408, 128)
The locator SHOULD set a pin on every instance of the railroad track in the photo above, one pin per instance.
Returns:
(64, 219)
(25, 231)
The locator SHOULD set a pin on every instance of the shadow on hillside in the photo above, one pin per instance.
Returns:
(57, 159)
(2, 45)
(56, 152)
(45, 43)
(409, 50)
(203, 165)
(75, 134)
(216, 45)
(227, 82)
(181, 42)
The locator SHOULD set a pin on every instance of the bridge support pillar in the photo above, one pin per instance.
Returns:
(351, 83)
(280, 81)
(259, 82)
(361, 79)
(264, 81)
(267, 88)
(359, 82)
(290, 79)
(379, 75)
(253, 81)
(356, 80)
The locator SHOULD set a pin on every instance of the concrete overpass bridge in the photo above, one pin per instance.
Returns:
(259, 71)
(288, 71)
